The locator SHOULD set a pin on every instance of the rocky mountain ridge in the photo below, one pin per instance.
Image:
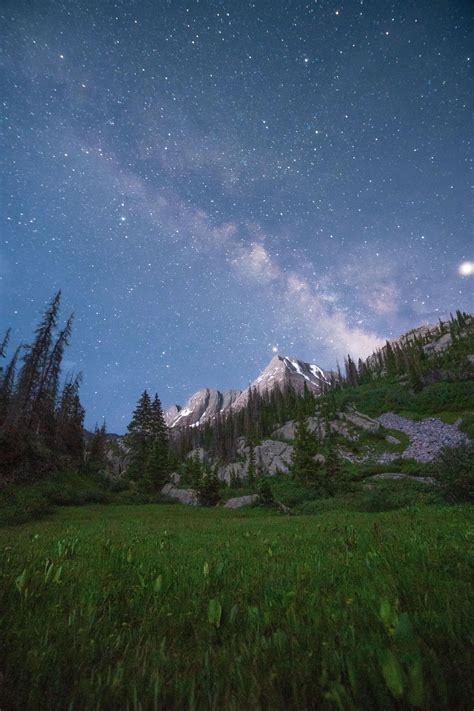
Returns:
(282, 372)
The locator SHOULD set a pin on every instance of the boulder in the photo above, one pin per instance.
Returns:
(175, 478)
(392, 440)
(286, 431)
(319, 459)
(239, 501)
(184, 496)
(359, 420)
(242, 447)
(273, 456)
(316, 426)
(234, 470)
(439, 345)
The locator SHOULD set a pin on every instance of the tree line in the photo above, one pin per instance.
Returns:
(41, 419)
(262, 414)
(406, 358)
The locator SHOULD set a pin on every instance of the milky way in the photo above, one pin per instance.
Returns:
(212, 182)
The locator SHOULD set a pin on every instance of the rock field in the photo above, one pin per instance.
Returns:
(427, 437)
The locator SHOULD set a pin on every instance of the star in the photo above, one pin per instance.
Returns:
(466, 268)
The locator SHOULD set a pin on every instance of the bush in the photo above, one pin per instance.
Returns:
(265, 493)
(384, 498)
(446, 396)
(22, 506)
(66, 495)
(467, 425)
(115, 486)
(393, 495)
(455, 472)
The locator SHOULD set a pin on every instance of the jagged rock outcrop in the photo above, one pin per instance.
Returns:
(202, 406)
(271, 457)
(171, 414)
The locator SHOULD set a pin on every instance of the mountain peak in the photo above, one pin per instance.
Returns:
(282, 371)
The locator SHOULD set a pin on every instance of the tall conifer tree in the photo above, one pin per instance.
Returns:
(140, 436)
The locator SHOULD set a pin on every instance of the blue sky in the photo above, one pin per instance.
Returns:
(210, 181)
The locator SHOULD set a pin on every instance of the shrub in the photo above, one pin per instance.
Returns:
(455, 472)
(393, 495)
(467, 425)
(22, 506)
(265, 493)
(383, 498)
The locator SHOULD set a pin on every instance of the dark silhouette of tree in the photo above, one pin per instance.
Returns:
(41, 425)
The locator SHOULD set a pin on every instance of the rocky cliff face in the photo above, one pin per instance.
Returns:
(202, 406)
(281, 371)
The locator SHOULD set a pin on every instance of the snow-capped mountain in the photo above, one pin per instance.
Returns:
(284, 371)
(281, 371)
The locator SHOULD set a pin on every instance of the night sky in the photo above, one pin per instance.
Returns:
(212, 182)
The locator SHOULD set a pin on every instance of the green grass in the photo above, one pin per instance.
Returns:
(152, 607)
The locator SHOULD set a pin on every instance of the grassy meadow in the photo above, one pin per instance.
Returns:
(156, 606)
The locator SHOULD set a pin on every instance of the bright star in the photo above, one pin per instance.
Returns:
(466, 269)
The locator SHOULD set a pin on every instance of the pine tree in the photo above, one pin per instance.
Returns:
(34, 367)
(413, 370)
(41, 424)
(389, 358)
(4, 346)
(309, 401)
(157, 469)
(303, 465)
(7, 386)
(208, 491)
(140, 436)
(158, 426)
(265, 493)
(97, 459)
(351, 371)
(69, 433)
(332, 467)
